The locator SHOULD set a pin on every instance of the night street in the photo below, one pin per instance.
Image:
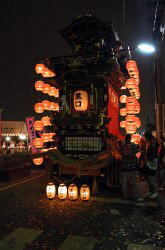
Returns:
(30, 221)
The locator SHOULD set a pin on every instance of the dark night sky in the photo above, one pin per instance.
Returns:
(29, 29)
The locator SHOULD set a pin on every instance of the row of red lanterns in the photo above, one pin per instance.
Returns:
(71, 191)
(40, 107)
(46, 88)
(133, 71)
(132, 105)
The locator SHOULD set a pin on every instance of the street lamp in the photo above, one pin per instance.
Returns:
(146, 48)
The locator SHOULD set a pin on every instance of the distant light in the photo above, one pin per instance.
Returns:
(7, 138)
(146, 48)
(22, 137)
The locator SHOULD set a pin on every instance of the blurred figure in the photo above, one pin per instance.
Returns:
(149, 163)
(161, 164)
(129, 168)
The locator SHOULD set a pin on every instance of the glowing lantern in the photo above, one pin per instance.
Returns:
(62, 192)
(80, 100)
(38, 161)
(131, 66)
(130, 118)
(39, 85)
(46, 88)
(38, 142)
(72, 192)
(46, 121)
(123, 98)
(48, 73)
(54, 106)
(136, 138)
(46, 104)
(53, 92)
(137, 122)
(39, 68)
(45, 137)
(131, 83)
(38, 125)
(50, 190)
(130, 129)
(39, 107)
(122, 124)
(84, 192)
(123, 111)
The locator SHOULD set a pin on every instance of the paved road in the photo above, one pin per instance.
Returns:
(30, 221)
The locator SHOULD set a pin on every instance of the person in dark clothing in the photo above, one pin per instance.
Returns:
(129, 168)
(150, 163)
(161, 164)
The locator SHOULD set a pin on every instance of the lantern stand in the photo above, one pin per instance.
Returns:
(95, 187)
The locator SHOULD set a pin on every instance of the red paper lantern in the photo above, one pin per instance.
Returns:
(39, 85)
(39, 68)
(38, 125)
(45, 137)
(123, 112)
(46, 104)
(123, 98)
(54, 106)
(130, 129)
(39, 107)
(122, 124)
(53, 92)
(46, 88)
(136, 138)
(46, 121)
(38, 142)
(131, 65)
(131, 83)
(38, 161)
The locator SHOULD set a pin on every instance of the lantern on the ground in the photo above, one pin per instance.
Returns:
(39, 85)
(39, 68)
(72, 192)
(80, 100)
(39, 107)
(62, 191)
(50, 190)
(123, 98)
(46, 104)
(123, 112)
(122, 124)
(54, 106)
(38, 125)
(84, 192)
(38, 161)
(38, 142)
(46, 121)
(46, 88)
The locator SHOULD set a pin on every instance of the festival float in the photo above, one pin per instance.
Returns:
(78, 118)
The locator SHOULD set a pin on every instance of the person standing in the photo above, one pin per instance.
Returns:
(150, 165)
(129, 168)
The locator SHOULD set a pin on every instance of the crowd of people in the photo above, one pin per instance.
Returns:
(150, 165)
(11, 147)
